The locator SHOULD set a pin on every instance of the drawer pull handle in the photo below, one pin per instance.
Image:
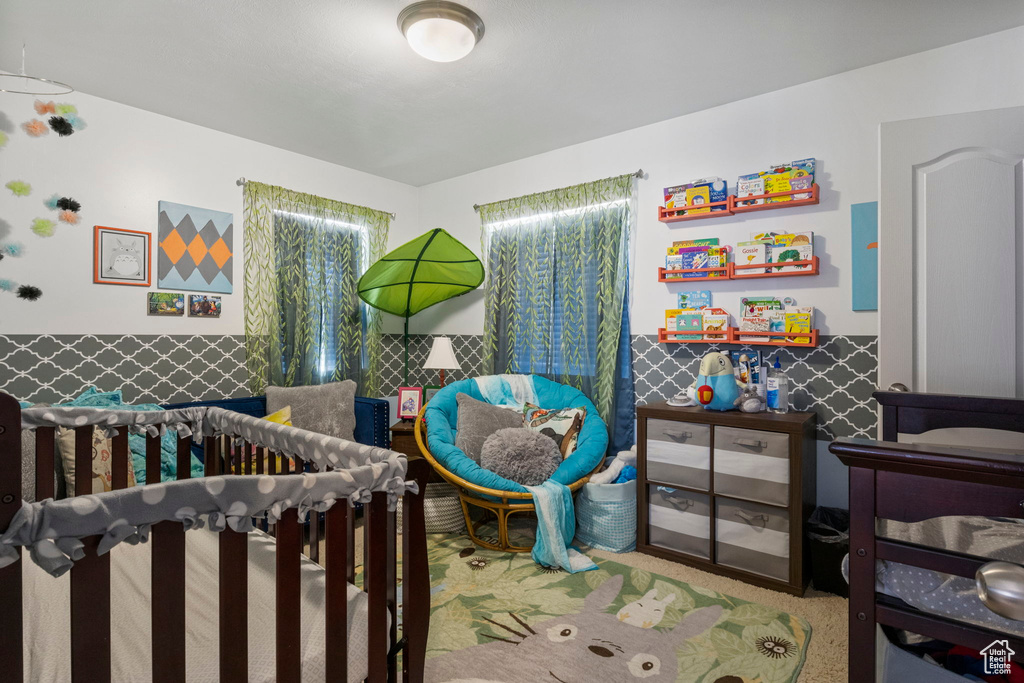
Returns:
(752, 443)
(750, 519)
(684, 503)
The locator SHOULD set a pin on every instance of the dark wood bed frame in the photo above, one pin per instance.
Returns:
(90, 576)
(912, 483)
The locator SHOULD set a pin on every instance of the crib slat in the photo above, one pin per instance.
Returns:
(90, 610)
(183, 467)
(168, 602)
(44, 462)
(11, 619)
(415, 576)
(289, 546)
(375, 583)
(83, 461)
(247, 456)
(234, 605)
(272, 462)
(338, 557)
(350, 543)
(314, 529)
(391, 585)
(210, 456)
(152, 459)
(119, 473)
(261, 456)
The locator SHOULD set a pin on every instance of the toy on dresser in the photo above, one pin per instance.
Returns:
(716, 386)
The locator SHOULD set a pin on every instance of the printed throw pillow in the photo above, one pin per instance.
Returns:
(561, 424)
(102, 461)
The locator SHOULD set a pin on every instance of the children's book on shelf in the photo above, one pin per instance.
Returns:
(748, 253)
(692, 320)
(799, 320)
(697, 193)
(749, 185)
(754, 323)
(803, 177)
(674, 262)
(672, 318)
(797, 246)
(684, 244)
(715, 320)
(695, 300)
(701, 257)
(777, 179)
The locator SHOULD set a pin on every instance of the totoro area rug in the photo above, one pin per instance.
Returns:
(500, 618)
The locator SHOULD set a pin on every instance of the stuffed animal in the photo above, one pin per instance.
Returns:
(751, 401)
(716, 386)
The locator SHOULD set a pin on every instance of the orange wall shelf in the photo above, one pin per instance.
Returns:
(705, 274)
(732, 336)
(733, 206)
(812, 270)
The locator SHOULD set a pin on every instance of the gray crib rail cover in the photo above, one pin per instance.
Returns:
(53, 529)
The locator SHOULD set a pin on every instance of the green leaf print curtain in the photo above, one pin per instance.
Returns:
(556, 294)
(304, 322)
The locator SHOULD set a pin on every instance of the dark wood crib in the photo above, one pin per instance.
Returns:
(908, 482)
(90, 590)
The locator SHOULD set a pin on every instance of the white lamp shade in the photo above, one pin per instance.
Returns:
(442, 356)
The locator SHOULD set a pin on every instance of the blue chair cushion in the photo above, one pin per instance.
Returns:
(442, 418)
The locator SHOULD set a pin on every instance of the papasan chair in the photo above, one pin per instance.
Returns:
(481, 488)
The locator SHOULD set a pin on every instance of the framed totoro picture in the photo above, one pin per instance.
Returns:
(121, 257)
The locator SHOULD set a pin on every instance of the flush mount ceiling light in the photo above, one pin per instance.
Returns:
(441, 31)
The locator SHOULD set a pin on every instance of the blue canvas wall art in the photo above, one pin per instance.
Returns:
(864, 241)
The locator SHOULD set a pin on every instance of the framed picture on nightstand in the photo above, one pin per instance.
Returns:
(428, 393)
(410, 400)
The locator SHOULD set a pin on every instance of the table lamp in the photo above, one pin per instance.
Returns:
(442, 357)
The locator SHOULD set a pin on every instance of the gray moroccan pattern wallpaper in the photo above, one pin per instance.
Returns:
(835, 380)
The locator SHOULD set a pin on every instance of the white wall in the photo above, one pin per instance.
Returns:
(834, 119)
(119, 167)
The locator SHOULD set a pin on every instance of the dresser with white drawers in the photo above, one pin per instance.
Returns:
(727, 492)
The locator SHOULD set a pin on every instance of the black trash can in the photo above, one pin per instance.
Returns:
(828, 534)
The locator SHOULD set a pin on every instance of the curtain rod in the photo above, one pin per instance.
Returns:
(639, 173)
(242, 181)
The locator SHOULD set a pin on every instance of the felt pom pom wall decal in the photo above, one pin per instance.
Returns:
(65, 109)
(35, 128)
(68, 204)
(53, 202)
(60, 126)
(12, 249)
(19, 188)
(7, 286)
(29, 292)
(43, 227)
(69, 217)
(45, 107)
(77, 122)
(3, 138)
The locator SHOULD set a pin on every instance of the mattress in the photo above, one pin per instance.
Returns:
(47, 610)
(943, 594)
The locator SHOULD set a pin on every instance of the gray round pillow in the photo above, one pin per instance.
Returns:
(522, 455)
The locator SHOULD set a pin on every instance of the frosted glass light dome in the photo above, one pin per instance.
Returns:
(441, 31)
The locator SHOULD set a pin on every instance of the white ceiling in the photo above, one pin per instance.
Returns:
(334, 79)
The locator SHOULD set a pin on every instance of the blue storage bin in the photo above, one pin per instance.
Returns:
(606, 516)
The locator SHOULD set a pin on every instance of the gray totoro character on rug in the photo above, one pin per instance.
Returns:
(592, 645)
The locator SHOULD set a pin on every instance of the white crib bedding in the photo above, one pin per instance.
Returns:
(48, 633)
(943, 594)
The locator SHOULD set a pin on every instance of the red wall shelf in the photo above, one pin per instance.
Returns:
(812, 270)
(666, 337)
(732, 336)
(723, 274)
(732, 205)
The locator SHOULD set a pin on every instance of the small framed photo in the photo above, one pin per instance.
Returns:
(166, 303)
(428, 393)
(203, 306)
(121, 257)
(410, 399)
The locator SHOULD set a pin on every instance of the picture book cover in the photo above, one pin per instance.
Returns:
(798, 322)
(748, 253)
(778, 180)
(803, 177)
(687, 322)
(754, 323)
(776, 323)
(760, 306)
(685, 244)
(695, 300)
(673, 262)
(801, 251)
(749, 185)
(715, 320)
(698, 196)
(671, 316)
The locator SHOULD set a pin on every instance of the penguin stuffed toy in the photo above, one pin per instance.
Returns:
(716, 386)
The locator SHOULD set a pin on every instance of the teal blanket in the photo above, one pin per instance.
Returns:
(94, 398)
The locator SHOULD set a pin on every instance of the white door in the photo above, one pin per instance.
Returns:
(951, 254)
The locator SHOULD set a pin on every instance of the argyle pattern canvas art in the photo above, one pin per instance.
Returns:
(195, 249)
